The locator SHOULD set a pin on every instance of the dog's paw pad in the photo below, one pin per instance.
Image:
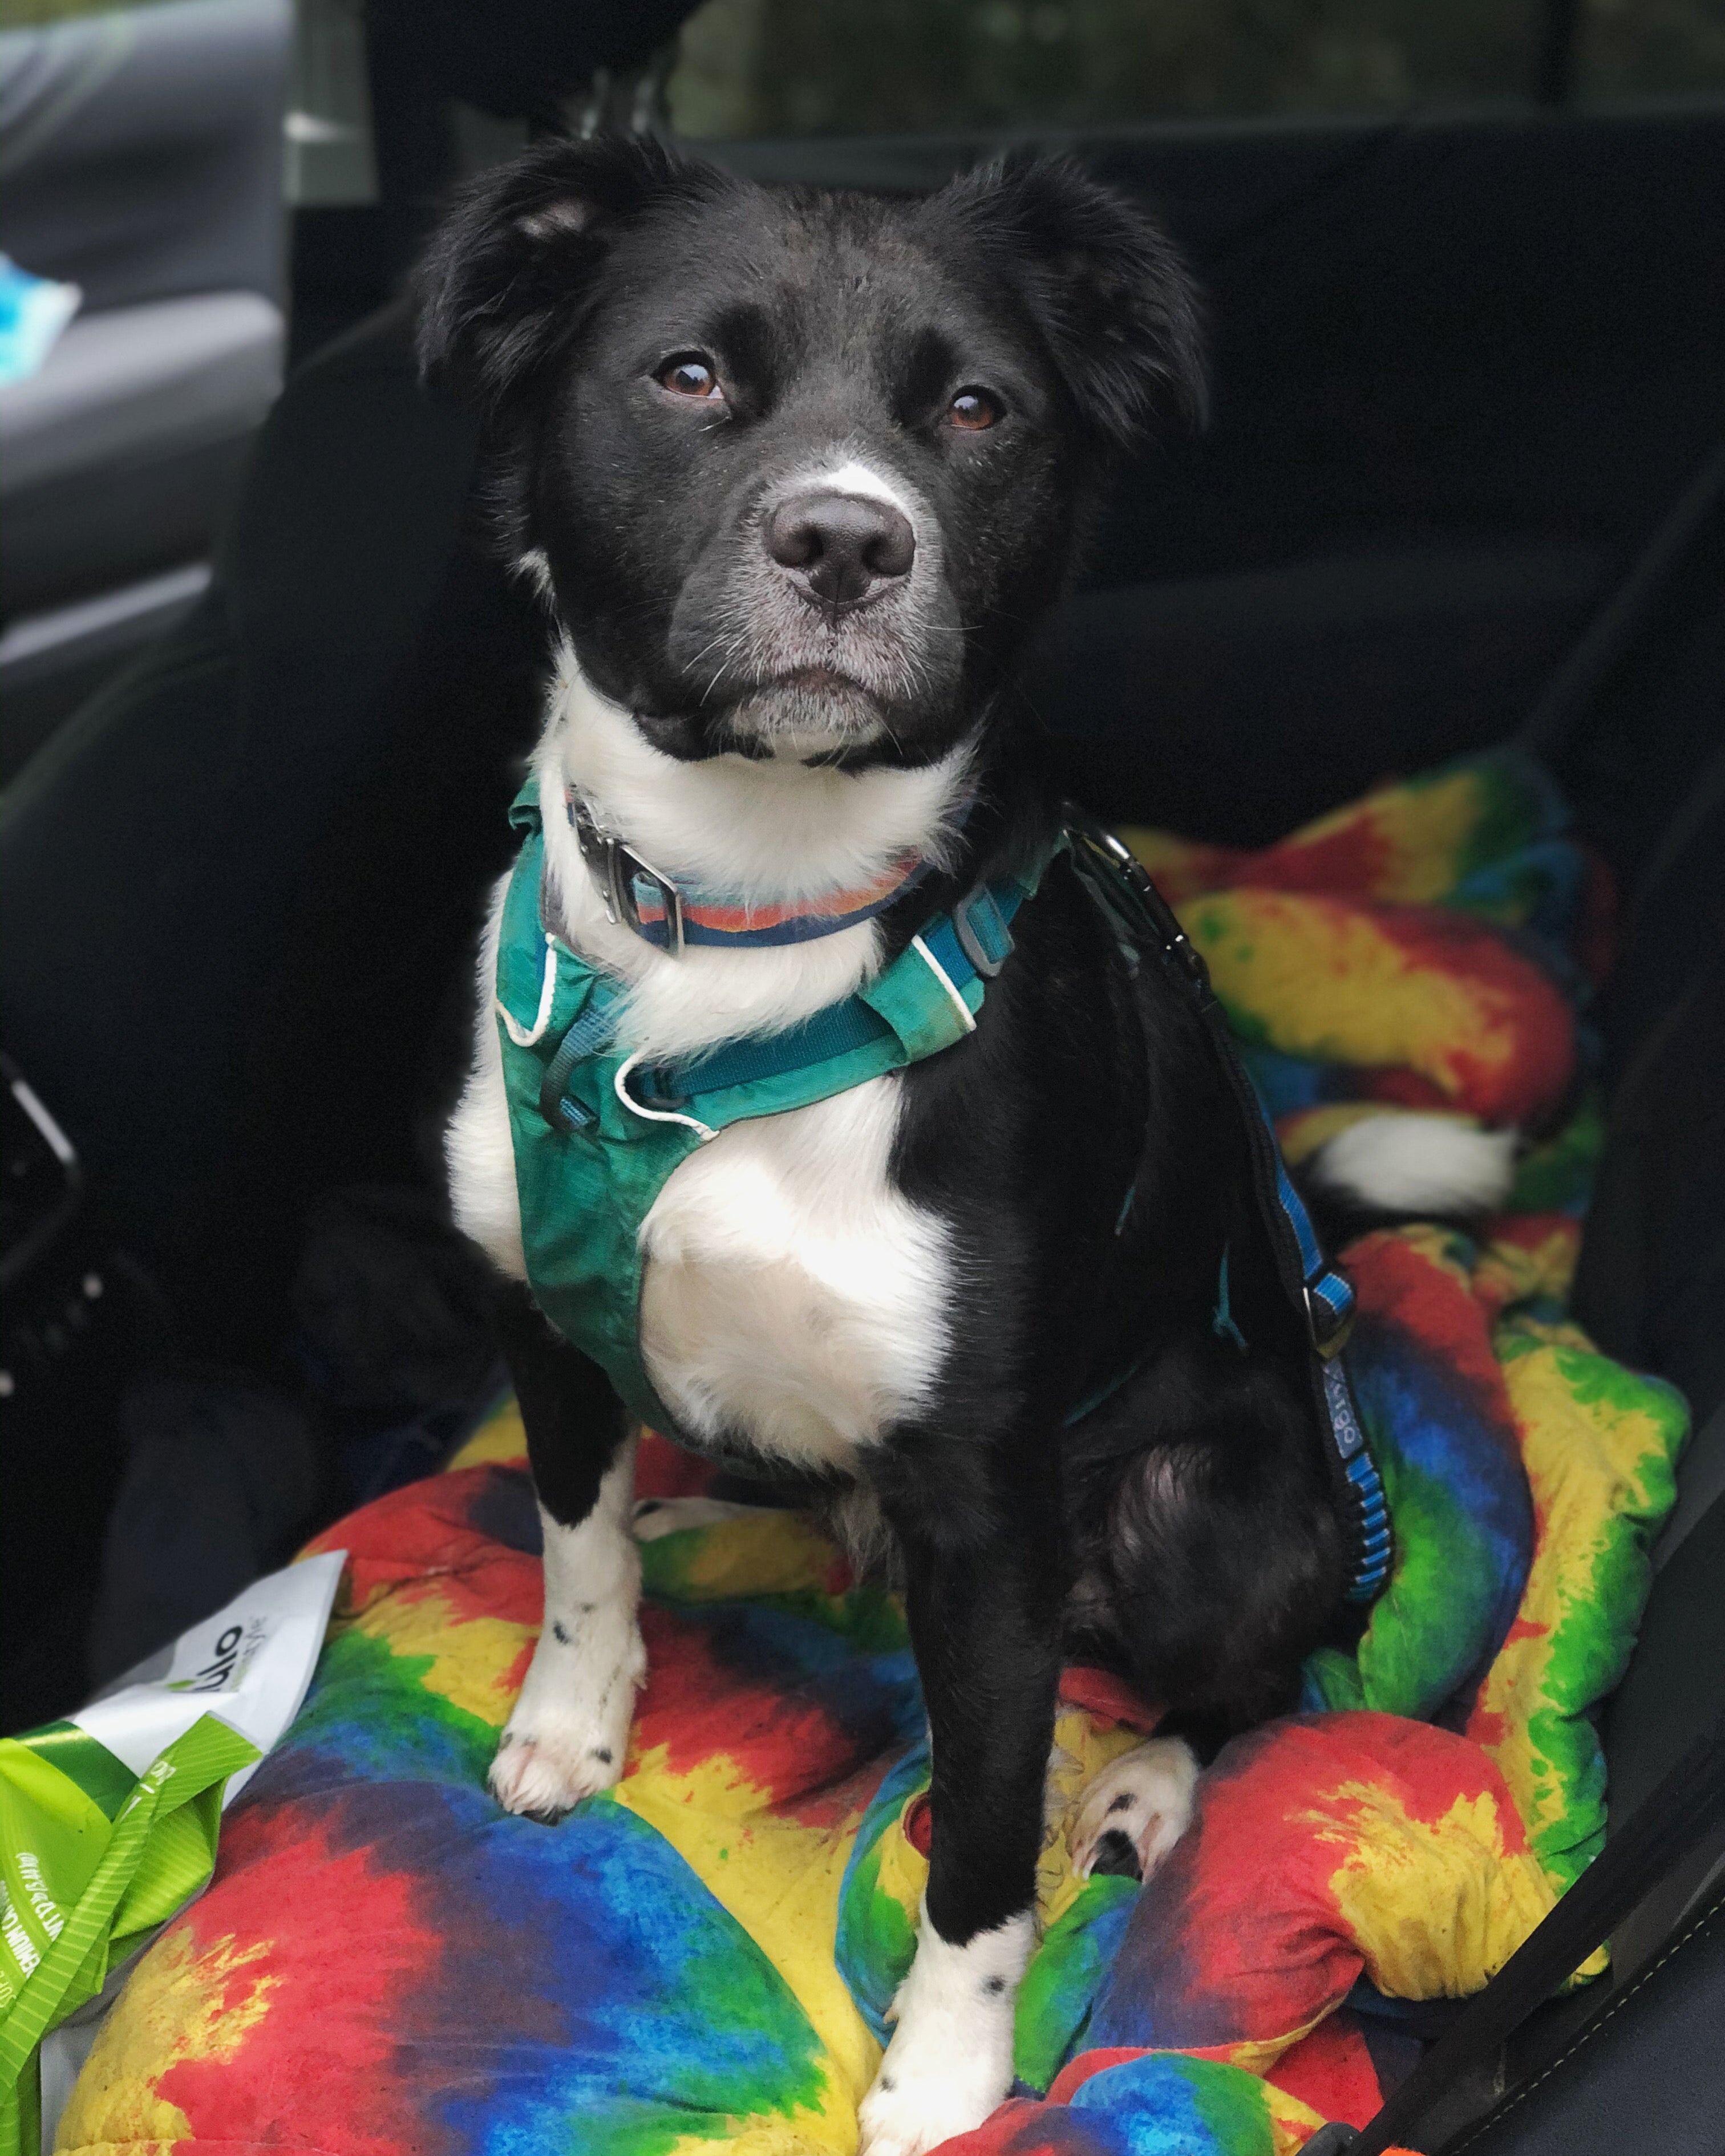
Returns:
(1135, 1811)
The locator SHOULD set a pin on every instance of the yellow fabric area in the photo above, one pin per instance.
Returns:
(1258, 2055)
(1510, 1272)
(1418, 831)
(764, 2137)
(1320, 979)
(1291, 2122)
(1435, 1907)
(500, 1438)
(1082, 1747)
(177, 2006)
(1592, 1449)
(475, 1663)
(1177, 863)
(760, 1552)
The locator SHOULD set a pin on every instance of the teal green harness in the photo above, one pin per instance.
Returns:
(597, 1134)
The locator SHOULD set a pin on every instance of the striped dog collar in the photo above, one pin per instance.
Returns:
(671, 916)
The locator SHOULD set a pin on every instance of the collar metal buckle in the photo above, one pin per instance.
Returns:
(615, 868)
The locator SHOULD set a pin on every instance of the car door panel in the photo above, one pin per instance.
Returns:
(141, 159)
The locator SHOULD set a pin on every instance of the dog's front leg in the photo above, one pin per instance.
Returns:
(568, 1735)
(984, 1622)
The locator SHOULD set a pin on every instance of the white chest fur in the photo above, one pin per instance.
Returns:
(791, 1294)
(792, 1297)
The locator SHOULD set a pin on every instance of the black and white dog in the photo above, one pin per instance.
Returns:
(796, 472)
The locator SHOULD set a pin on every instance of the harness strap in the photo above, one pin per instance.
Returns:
(924, 1001)
(1323, 1295)
(589, 1035)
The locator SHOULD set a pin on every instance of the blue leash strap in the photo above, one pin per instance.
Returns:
(1323, 1295)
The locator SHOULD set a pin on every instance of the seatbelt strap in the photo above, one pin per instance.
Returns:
(1688, 1805)
(1323, 1297)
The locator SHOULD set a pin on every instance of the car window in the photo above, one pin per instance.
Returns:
(33, 14)
(1635, 48)
(832, 66)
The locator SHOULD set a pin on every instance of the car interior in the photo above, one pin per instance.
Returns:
(265, 689)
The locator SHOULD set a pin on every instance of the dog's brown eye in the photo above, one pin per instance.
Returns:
(690, 375)
(973, 409)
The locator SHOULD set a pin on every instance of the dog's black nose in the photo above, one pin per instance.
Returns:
(842, 547)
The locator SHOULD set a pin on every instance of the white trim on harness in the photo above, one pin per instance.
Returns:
(521, 1035)
(619, 1085)
(945, 978)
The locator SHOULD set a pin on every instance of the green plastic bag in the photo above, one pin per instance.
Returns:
(108, 1820)
(83, 1884)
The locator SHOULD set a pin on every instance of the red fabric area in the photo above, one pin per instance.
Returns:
(1331, 2071)
(1212, 1958)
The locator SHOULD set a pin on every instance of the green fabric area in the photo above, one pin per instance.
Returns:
(1407, 1662)
(1231, 2106)
(1600, 1609)
(1557, 1176)
(883, 1945)
(1065, 1973)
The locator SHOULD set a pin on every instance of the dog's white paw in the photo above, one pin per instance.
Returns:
(545, 1776)
(568, 1736)
(1144, 1799)
(950, 2060)
(914, 2107)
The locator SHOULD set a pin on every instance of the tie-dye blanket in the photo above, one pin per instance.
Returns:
(705, 1956)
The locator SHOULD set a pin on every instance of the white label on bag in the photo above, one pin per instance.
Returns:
(250, 1664)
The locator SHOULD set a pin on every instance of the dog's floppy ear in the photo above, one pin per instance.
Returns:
(504, 283)
(1113, 298)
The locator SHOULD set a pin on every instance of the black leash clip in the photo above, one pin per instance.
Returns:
(1125, 867)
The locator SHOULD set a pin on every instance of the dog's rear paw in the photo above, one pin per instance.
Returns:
(950, 2060)
(1135, 1811)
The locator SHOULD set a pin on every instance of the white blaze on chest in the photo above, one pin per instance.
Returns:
(792, 1296)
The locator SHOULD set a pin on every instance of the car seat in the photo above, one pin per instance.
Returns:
(244, 881)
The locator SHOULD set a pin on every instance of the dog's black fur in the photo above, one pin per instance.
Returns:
(1081, 1144)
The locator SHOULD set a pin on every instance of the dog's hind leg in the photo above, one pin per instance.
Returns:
(568, 1734)
(1136, 1809)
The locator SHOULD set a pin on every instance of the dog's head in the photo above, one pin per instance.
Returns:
(801, 469)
